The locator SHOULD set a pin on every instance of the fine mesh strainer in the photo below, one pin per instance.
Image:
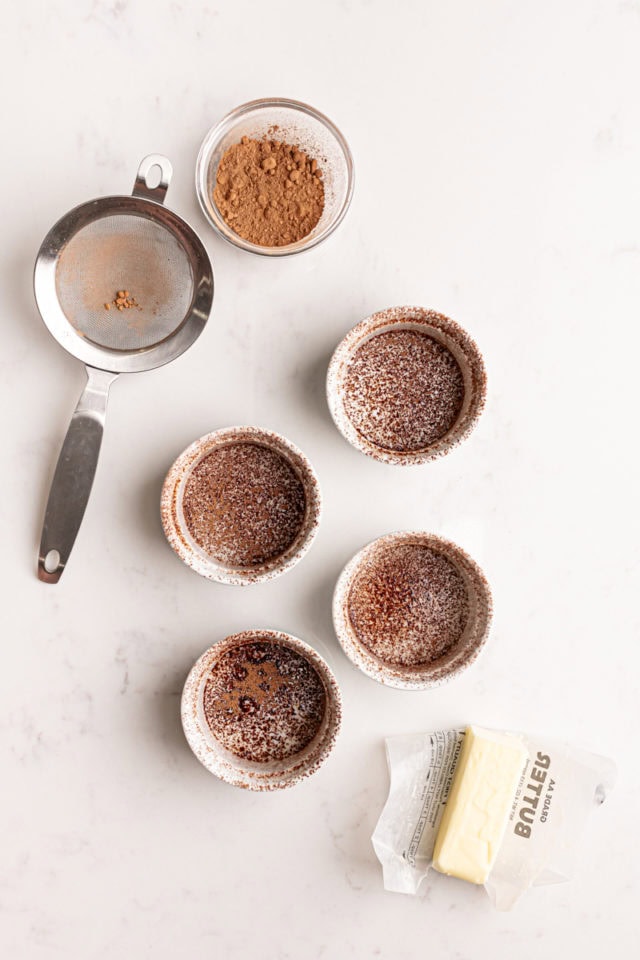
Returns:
(98, 250)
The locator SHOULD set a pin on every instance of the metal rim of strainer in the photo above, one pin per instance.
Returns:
(78, 459)
(105, 358)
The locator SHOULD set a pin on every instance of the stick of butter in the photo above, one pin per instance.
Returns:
(477, 808)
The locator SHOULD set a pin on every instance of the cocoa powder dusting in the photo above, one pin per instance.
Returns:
(264, 701)
(244, 504)
(123, 300)
(408, 605)
(269, 192)
(403, 390)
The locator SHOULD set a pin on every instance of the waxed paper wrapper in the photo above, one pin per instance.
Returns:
(546, 822)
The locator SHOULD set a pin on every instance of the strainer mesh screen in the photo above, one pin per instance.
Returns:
(117, 253)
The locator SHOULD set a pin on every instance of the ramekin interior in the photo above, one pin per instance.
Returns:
(445, 668)
(277, 774)
(191, 552)
(447, 332)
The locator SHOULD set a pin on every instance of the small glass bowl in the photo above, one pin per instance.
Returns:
(298, 124)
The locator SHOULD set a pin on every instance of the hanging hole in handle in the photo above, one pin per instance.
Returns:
(52, 561)
(153, 177)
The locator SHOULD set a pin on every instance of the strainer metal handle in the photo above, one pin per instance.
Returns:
(74, 475)
(141, 187)
(85, 256)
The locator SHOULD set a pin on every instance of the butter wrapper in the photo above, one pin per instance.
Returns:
(558, 787)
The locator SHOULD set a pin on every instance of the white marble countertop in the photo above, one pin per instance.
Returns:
(497, 150)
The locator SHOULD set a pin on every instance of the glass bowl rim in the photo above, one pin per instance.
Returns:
(207, 146)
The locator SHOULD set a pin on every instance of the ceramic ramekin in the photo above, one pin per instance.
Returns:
(173, 519)
(274, 775)
(436, 672)
(440, 328)
(298, 124)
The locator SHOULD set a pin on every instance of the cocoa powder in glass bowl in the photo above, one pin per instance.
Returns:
(269, 192)
(412, 610)
(304, 132)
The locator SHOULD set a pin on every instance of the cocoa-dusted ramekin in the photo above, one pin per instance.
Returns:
(173, 519)
(455, 660)
(441, 329)
(276, 774)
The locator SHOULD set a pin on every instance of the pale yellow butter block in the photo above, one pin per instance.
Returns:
(477, 808)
